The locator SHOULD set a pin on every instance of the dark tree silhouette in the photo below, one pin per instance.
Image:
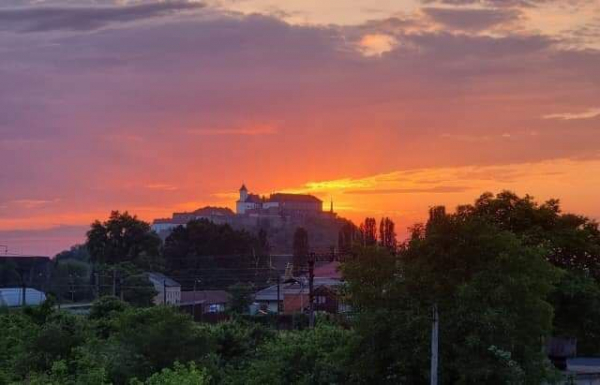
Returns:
(301, 249)
(347, 237)
(387, 234)
(368, 231)
(123, 238)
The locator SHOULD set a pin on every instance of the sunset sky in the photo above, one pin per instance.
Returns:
(385, 106)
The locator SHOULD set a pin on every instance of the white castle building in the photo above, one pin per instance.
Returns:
(277, 203)
(248, 208)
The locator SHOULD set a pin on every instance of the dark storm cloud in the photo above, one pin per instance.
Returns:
(471, 19)
(83, 18)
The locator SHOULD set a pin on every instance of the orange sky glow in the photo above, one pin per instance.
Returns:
(386, 107)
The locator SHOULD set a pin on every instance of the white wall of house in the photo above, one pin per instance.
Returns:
(173, 295)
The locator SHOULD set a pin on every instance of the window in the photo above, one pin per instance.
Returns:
(216, 308)
(321, 299)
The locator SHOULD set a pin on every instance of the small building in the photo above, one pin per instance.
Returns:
(206, 301)
(206, 305)
(169, 290)
(14, 296)
(294, 296)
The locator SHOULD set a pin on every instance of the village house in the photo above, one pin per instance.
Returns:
(169, 291)
(294, 293)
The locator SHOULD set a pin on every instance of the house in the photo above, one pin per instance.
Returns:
(206, 305)
(583, 370)
(14, 296)
(169, 291)
(206, 301)
(294, 295)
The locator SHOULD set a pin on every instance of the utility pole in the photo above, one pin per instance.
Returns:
(97, 285)
(434, 346)
(114, 288)
(311, 294)
(278, 295)
(196, 280)
(24, 294)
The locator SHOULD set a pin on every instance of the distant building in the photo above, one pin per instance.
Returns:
(214, 214)
(169, 291)
(34, 271)
(277, 203)
(278, 214)
(13, 297)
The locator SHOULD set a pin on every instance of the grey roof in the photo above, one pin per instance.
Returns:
(204, 297)
(13, 296)
(161, 279)
(584, 361)
(270, 293)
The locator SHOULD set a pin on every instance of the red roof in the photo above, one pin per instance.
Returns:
(330, 270)
(279, 197)
(253, 198)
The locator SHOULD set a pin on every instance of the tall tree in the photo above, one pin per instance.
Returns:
(387, 234)
(368, 230)
(491, 290)
(124, 238)
(216, 255)
(301, 249)
(347, 237)
(569, 241)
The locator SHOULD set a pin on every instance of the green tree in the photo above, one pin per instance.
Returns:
(319, 356)
(155, 338)
(368, 232)
(138, 290)
(241, 298)
(347, 237)
(569, 241)
(124, 238)
(387, 234)
(576, 301)
(201, 247)
(71, 279)
(179, 375)
(491, 291)
(301, 249)
(77, 252)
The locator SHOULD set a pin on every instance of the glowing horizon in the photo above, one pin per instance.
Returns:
(388, 107)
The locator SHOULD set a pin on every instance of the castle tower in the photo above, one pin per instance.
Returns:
(243, 193)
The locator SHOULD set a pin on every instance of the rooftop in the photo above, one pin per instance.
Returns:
(204, 297)
(13, 296)
(161, 279)
(280, 197)
(270, 293)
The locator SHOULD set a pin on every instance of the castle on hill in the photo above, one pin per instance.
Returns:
(277, 204)
(279, 213)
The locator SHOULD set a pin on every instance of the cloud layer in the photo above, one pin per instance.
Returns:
(155, 107)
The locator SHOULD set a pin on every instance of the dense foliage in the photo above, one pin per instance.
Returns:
(215, 255)
(123, 345)
(124, 238)
(503, 274)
